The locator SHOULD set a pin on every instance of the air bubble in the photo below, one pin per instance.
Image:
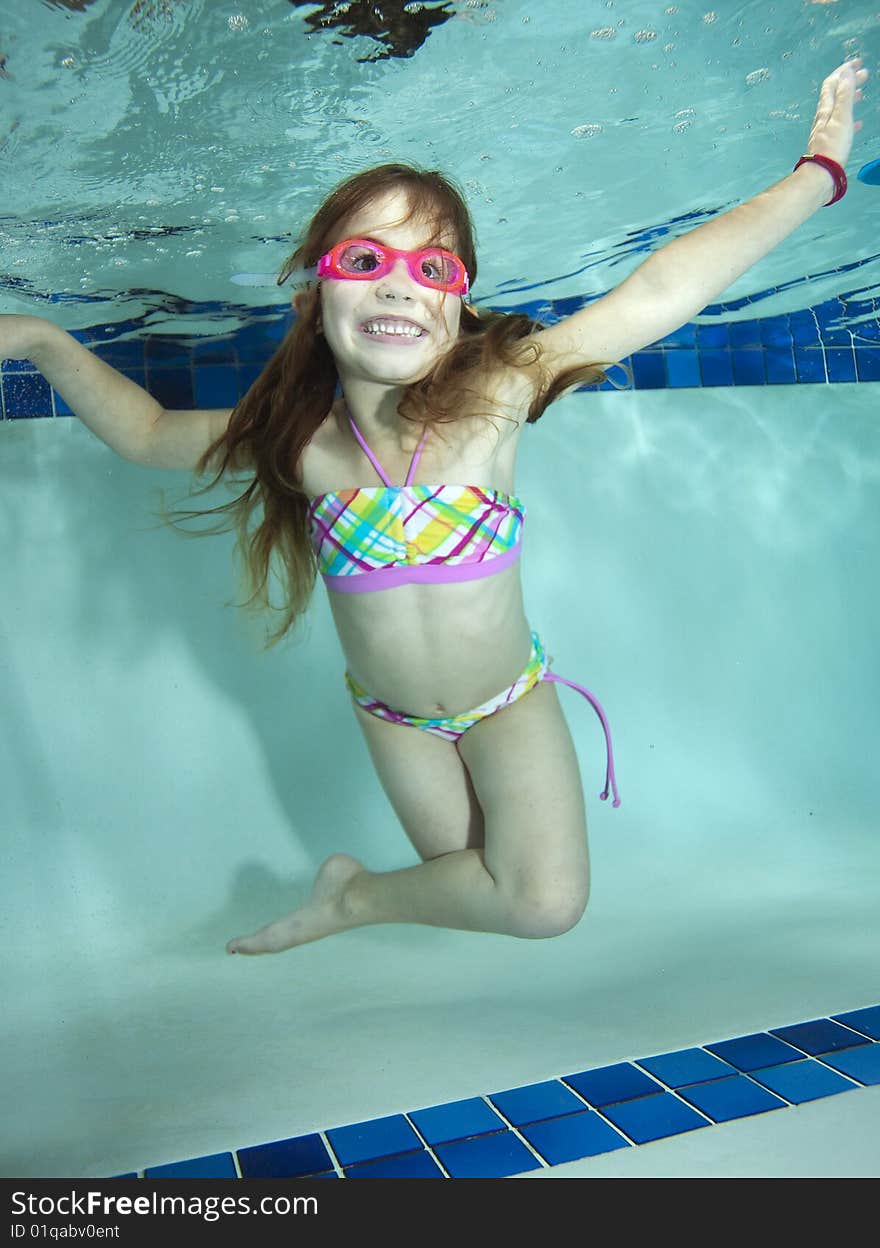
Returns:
(709, 18)
(604, 32)
(645, 36)
(758, 75)
(586, 132)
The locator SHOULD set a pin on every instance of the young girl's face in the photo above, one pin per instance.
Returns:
(348, 307)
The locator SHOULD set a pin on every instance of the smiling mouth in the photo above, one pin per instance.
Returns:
(392, 329)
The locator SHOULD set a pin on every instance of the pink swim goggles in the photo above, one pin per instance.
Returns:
(362, 260)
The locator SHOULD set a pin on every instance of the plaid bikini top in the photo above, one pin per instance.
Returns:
(378, 537)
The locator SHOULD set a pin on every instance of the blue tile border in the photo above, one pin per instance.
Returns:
(837, 341)
(576, 1116)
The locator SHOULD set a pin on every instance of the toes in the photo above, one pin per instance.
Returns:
(260, 942)
(273, 938)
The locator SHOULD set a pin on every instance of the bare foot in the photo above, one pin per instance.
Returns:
(322, 915)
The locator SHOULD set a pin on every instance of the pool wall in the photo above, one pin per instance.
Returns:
(167, 785)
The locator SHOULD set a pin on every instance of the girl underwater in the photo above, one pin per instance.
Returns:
(388, 387)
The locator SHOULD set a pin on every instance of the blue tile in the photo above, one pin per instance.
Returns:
(487, 1157)
(819, 1036)
(285, 1159)
(804, 329)
(259, 341)
(866, 1020)
(736, 1097)
(779, 363)
(379, 1137)
(538, 1100)
(25, 396)
(745, 334)
(709, 336)
(608, 1085)
(420, 1165)
(716, 368)
(654, 1117)
(457, 1120)
(684, 336)
(648, 370)
(776, 331)
(748, 367)
(219, 350)
(862, 1063)
(683, 368)
(802, 1081)
(127, 353)
(166, 352)
(753, 1052)
(841, 364)
(826, 312)
(868, 363)
(866, 332)
(835, 337)
(217, 1166)
(686, 1066)
(172, 387)
(576, 1135)
(248, 374)
(216, 386)
(810, 363)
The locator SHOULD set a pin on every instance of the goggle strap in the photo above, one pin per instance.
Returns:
(300, 277)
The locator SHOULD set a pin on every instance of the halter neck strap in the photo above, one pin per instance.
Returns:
(374, 461)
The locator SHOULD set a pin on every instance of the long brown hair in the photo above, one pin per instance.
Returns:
(272, 424)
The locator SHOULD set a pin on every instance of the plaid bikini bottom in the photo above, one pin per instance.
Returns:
(454, 726)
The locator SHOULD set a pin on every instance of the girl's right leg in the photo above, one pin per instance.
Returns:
(428, 785)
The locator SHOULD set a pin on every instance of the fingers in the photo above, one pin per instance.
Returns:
(843, 85)
(849, 74)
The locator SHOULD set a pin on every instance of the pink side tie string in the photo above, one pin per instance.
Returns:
(610, 779)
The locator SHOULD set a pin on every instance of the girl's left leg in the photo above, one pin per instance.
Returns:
(531, 877)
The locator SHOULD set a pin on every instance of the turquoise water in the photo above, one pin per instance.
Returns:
(162, 147)
(166, 784)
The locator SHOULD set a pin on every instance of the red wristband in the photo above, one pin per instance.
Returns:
(836, 172)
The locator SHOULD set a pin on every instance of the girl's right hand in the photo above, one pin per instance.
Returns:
(833, 126)
(20, 335)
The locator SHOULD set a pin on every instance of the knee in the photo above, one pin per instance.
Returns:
(540, 913)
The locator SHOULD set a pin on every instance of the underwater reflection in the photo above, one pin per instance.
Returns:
(400, 26)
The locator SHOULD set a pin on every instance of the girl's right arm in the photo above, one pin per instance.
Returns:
(119, 411)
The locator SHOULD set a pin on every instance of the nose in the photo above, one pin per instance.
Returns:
(398, 283)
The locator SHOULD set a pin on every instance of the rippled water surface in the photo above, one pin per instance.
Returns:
(153, 150)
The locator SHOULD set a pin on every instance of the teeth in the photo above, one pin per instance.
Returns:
(383, 327)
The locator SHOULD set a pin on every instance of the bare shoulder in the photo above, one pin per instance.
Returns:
(509, 393)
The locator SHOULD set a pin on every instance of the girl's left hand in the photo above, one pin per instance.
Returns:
(833, 127)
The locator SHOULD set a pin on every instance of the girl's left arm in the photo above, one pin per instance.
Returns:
(682, 277)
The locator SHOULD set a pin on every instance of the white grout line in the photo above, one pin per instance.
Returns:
(428, 1147)
(337, 1164)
